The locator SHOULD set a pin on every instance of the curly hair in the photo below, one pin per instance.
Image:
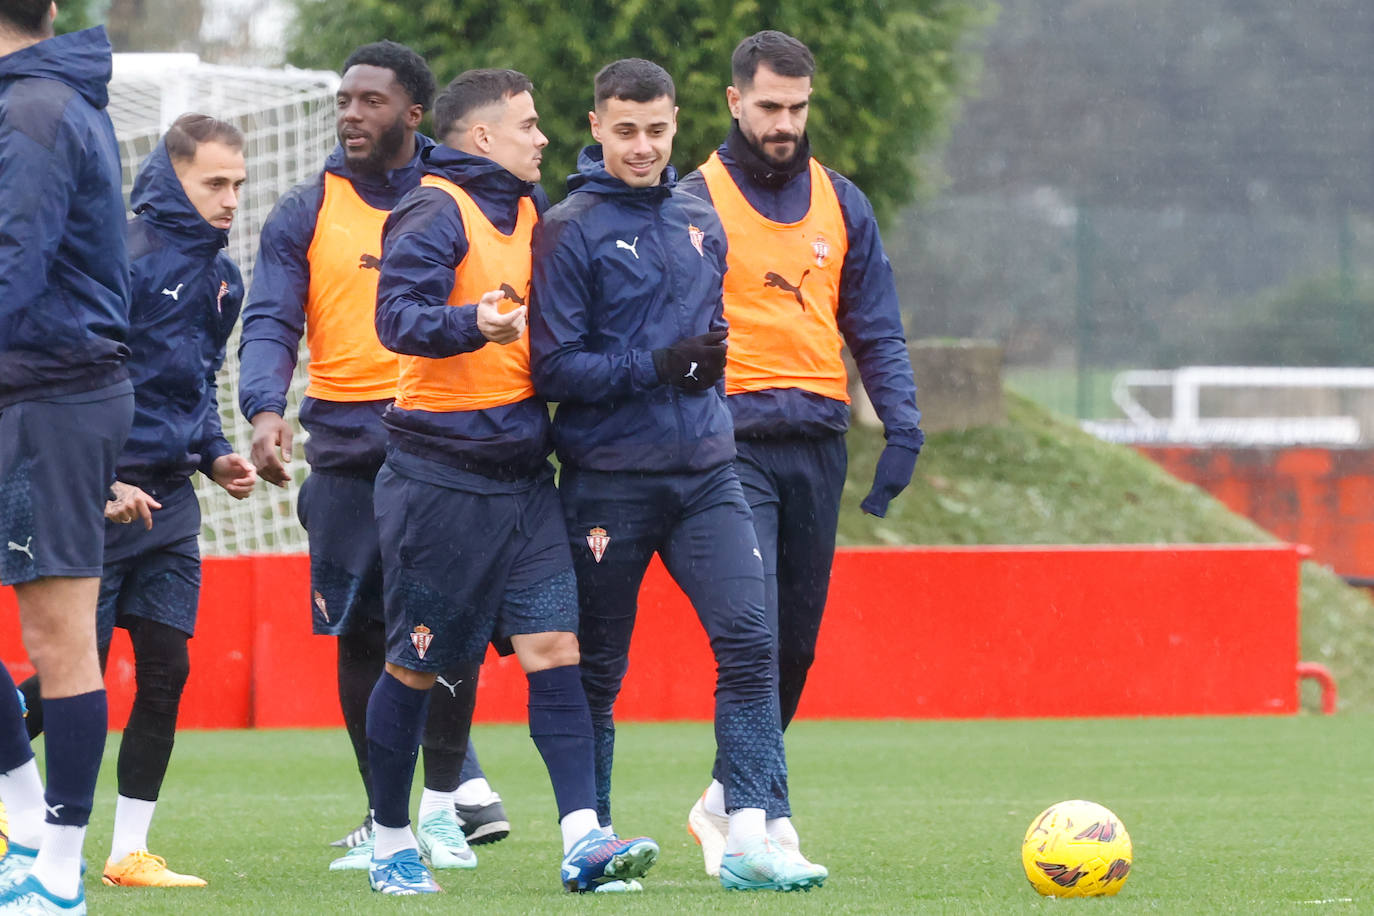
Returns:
(410, 68)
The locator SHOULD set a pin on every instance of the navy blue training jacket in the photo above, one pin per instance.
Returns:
(617, 276)
(186, 297)
(64, 273)
(423, 241)
(346, 437)
(869, 317)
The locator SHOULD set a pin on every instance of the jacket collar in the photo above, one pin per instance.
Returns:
(592, 175)
(739, 150)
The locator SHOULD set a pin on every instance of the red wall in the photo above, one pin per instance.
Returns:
(1323, 498)
(909, 633)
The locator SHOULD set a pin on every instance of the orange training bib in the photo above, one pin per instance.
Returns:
(782, 290)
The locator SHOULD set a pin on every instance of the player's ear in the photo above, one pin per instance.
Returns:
(595, 126)
(732, 101)
(414, 115)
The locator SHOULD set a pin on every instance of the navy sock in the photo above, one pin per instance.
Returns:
(561, 726)
(395, 719)
(76, 729)
(15, 750)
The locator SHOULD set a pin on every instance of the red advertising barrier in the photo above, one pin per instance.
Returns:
(1320, 497)
(977, 632)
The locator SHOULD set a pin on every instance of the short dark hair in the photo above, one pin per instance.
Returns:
(190, 130)
(410, 68)
(632, 79)
(784, 55)
(474, 89)
(28, 17)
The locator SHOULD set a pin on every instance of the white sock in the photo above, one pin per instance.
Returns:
(21, 791)
(576, 825)
(780, 830)
(58, 866)
(432, 800)
(387, 841)
(747, 825)
(474, 792)
(133, 817)
(714, 802)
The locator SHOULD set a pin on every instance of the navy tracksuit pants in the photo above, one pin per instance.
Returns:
(699, 524)
(793, 487)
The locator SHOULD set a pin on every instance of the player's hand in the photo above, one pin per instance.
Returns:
(271, 449)
(234, 474)
(498, 327)
(895, 467)
(693, 363)
(130, 503)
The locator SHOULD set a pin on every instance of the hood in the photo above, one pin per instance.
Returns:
(592, 176)
(473, 173)
(78, 59)
(159, 197)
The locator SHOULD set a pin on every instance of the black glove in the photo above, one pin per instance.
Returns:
(895, 467)
(693, 363)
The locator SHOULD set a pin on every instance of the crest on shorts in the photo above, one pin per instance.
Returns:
(219, 297)
(598, 540)
(420, 638)
(697, 237)
(319, 603)
(821, 249)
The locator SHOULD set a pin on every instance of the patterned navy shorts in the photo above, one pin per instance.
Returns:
(466, 568)
(57, 461)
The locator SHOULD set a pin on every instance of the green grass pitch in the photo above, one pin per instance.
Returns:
(1254, 815)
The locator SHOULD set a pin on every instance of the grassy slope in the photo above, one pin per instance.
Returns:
(1040, 480)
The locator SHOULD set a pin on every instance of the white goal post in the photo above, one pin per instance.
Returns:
(287, 119)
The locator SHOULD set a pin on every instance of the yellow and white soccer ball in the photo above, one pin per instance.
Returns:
(4, 830)
(1076, 849)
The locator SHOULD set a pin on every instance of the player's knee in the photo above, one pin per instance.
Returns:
(415, 680)
(161, 668)
(541, 651)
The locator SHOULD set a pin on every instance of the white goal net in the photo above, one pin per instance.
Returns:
(287, 119)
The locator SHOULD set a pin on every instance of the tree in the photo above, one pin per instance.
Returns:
(74, 15)
(889, 72)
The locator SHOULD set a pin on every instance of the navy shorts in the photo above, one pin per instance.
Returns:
(57, 461)
(345, 562)
(465, 567)
(154, 574)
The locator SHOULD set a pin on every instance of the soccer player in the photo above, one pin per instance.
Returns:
(66, 404)
(316, 275)
(627, 334)
(186, 296)
(471, 529)
(806, 273)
